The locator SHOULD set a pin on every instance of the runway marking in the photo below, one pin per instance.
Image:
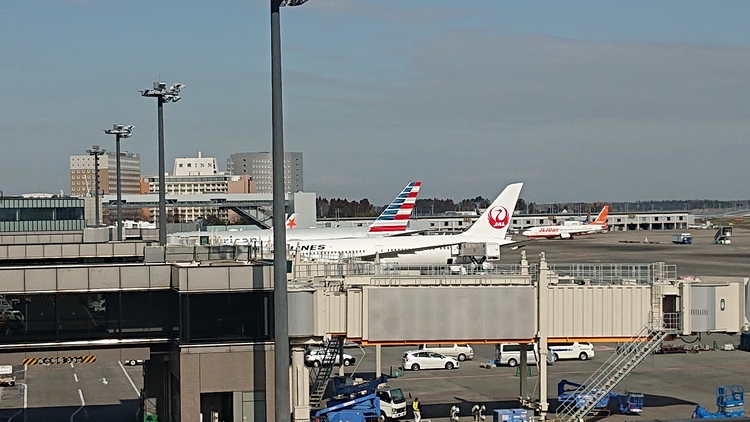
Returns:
(83, 404)
(137, 392)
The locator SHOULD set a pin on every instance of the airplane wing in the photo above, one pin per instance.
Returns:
(408, 233)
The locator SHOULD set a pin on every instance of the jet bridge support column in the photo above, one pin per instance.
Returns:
(300, 386)
(522, 368)
(542, 321)
(378, 362)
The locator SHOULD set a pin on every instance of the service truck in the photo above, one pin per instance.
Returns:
(682, 238)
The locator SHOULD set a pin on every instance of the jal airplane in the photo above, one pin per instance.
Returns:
(393, 221)
(567, 231)
(491, 227)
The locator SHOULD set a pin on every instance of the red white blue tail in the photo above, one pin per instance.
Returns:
(396, 216)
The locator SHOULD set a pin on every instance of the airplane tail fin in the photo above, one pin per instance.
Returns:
(396, 216)
(495, 221)
(291, 221)
(601, 219)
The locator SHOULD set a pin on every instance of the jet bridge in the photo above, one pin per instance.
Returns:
(380, 305)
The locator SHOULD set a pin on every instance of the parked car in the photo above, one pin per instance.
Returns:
(574, 350)
(134, 362)
(458, 351)
(510, 353)
(420, 359)
(315, 357)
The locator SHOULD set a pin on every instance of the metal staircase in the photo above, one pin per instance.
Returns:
(320, 375)
(626, 358)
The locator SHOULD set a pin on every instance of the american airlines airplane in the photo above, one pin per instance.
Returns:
(491, 227)
(567, 231)
(393, 221)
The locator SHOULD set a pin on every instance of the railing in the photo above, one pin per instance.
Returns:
(611, 273)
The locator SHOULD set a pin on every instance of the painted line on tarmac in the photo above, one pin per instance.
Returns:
(83, 404)
(137, 392)
(25, 402)
(75, 376)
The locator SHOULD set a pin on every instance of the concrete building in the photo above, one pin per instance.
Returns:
(196, 176)
(82, 173)
(258, 166)
(196, 166)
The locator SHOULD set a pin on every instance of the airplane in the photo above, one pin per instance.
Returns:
(393, 221)
(567, 231)
(490, 228)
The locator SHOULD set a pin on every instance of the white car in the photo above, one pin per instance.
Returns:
(315, 357)
(420, 359)
(458, 351)
(574, 350)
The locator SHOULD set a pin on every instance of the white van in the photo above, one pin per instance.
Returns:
(573, 350)
(510, 353)
(458, 351)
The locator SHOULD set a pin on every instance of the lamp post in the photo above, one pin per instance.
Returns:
(120, 132)
(163, 95)
(280, 303)
(96, 152)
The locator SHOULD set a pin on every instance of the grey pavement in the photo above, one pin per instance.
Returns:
(53, 393)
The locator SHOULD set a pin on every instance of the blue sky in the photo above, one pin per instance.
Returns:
(581, 100)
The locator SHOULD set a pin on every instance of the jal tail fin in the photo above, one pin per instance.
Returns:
(395, 217)
(495, 221)
(291, 221)
(601, 219)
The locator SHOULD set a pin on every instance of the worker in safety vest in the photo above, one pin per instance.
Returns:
(415, 407)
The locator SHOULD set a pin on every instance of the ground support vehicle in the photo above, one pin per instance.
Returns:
(682, 238)
(730, 400)
(631, 403)
(360, 409)
(392, 400)
(6, 375)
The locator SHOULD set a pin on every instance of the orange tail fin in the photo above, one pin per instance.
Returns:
(602, 217)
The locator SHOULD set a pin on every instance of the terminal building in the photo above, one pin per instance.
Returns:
(646, 220)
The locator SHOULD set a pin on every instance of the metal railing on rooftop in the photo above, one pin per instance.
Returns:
(610, 273)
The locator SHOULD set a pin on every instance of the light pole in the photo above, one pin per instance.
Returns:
(120, 132)
(280, 303)
(96, 152)
(163, 95)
